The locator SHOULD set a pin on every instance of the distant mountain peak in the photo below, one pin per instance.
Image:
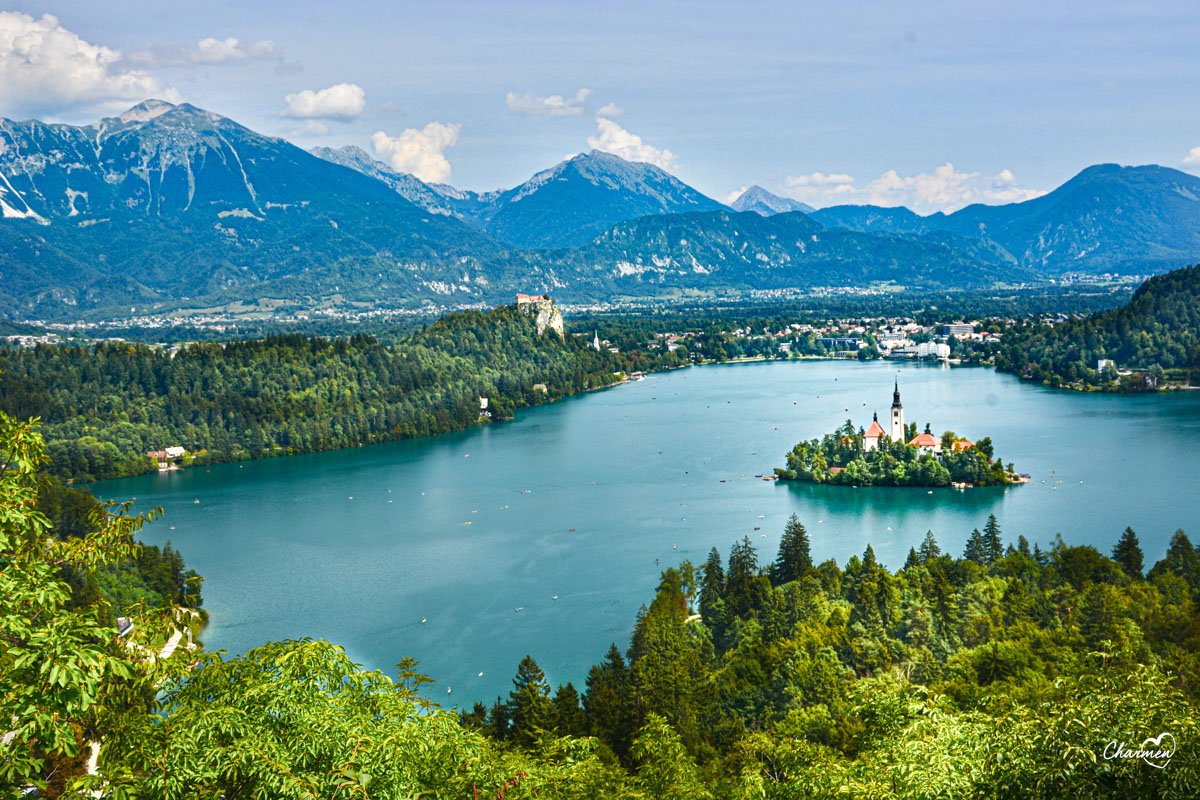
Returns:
(760, 201)
(146, 111)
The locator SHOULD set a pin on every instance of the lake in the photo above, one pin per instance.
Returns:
(588, 499)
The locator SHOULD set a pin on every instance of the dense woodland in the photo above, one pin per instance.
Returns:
(999, 673)
(1155, 337)
(104, 407)
(838, 458)
(1006, 672)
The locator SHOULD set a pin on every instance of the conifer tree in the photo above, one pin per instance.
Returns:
(795, 557)
(712, 585)
(913, 559)
(929, 548)
(605, 704)
(568, 714)
(1181, 559)
(1128, 553)
(529, 708)
(497, 725)
(1023, 545)
(991, 540)
(976, 549)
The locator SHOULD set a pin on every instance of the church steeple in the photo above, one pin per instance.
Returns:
(897, 429)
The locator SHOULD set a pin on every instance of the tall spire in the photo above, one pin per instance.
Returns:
(896, 395)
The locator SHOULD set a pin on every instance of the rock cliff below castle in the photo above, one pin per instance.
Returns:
(544, 310)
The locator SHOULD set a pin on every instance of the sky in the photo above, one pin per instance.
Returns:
(932, 105)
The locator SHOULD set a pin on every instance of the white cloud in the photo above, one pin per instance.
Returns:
(611, 110)
(734, 195)
(612, 138)
(341, 101)
(945, 189)
(45, 68)
(527, 104)
(820, 179)
(209, 50)
(420, 152)
(1192, 159)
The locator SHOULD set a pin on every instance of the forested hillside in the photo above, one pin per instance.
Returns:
(1156, 336)
(104, 407)
(1009, 672)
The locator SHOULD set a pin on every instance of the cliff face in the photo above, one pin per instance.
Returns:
(545, 311)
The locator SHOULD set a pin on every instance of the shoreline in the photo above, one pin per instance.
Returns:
(615, 384)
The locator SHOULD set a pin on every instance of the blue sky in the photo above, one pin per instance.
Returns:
(927, 104)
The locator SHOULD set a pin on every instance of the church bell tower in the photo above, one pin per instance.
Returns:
(897, 430)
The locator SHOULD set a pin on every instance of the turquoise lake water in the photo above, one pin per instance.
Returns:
(357, 546)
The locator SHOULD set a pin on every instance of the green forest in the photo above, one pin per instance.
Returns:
(104, 407)
(1009, 671)
(838, 458)
(1155, 338)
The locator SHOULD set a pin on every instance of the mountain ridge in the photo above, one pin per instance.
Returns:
(171, 206)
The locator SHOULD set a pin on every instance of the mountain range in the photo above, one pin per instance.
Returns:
(170, 206)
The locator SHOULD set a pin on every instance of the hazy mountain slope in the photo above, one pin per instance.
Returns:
(748, 250)
(436, 198)
(1106, 218)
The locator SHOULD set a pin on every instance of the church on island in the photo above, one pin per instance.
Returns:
(926, 442)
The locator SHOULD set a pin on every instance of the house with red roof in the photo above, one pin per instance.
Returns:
(927, 442)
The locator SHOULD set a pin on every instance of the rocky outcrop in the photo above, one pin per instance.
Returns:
(544, 310)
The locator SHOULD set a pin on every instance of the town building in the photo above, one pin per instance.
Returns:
(958, 329)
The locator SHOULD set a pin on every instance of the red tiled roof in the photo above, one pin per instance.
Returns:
(875, 431)
(963, 444)
(924, 440)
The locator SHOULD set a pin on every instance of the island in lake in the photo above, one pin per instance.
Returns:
(898, 456)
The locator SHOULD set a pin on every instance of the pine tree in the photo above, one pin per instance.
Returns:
(568, 714)
(795, 557)
(1181, 559)
(712, 586)
(498, 726)
(1128, 554)
(529, 706)
(976, 549)
(606, 702)
(993, 547)
(912, 560)
(929, 548)
(1023, 545)
(741, 582)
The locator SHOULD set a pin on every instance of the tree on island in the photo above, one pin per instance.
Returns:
(1128, 553)
(795, 557)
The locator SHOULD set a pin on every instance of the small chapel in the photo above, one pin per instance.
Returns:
(925, 441)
